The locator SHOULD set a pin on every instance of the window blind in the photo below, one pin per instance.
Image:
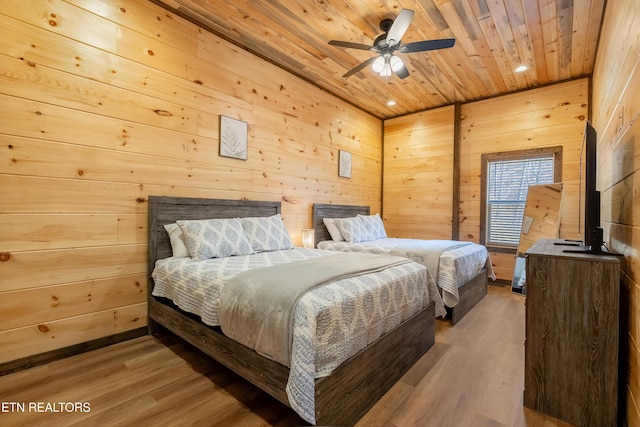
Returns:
(507, 185)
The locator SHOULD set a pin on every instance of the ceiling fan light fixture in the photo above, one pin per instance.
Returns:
(378, 64)
(396, 63)
(386, 70)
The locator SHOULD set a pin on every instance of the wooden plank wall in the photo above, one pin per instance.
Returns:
(419, 160)
(104, 103)
(545, 117)
(418, 174)
(616, 117)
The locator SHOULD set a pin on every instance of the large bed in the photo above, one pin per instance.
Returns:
(461, 269)
(335, 395)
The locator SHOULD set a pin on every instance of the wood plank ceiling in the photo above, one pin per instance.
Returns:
(555, 39)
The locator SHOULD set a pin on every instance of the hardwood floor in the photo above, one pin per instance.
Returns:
(472, 376)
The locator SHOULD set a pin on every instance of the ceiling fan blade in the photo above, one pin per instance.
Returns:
(403, 73)
(399, 27)
(360, 67)
(427, 45)
(351, 45)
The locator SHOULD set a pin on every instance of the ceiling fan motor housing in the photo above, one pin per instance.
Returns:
(381, 42)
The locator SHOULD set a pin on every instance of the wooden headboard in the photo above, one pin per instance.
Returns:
(166, 210)
(321, 211)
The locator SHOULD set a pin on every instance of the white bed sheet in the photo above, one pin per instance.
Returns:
(330, 322)
(456, 266)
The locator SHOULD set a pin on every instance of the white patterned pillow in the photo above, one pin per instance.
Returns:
(178, 245)
(215, 238)
(266, 233)
(353, 229)
(333, 229)
(374, 226)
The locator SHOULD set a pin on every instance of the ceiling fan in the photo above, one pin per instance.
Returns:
(386, 44)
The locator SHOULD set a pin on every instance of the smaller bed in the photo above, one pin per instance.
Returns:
(460, 269)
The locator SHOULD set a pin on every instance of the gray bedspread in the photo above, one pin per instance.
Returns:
(256, 306)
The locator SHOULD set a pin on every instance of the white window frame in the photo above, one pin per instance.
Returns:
(554, 153)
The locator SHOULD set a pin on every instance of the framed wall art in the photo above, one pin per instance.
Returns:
(233, 138)
(344, 168)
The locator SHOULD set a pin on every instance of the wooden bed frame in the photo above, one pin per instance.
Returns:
(469, 292)
(341, 398)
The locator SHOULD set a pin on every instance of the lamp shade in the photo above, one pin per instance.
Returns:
(396, 63)
(308, 240)
(378, 64)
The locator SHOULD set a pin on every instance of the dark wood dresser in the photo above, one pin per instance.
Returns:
(571, 345)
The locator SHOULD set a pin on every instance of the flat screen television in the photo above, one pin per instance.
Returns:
(589, 196)
(592, 231)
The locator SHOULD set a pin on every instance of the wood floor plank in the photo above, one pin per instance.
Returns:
(473, 375)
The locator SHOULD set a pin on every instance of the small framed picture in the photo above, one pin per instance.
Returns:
(233, 138)
(344, 167)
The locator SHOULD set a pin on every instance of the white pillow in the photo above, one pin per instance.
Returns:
(353, 229)
(266, 233)
(333, 229)
(178, 245)
(215, 238)
(374, 227)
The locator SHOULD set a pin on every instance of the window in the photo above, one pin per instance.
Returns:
(506, 179)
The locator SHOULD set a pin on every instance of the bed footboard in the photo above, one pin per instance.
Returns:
(470, 294)
(341, 398)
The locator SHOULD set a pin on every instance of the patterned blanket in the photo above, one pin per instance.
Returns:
(256, 306)
(450, 262)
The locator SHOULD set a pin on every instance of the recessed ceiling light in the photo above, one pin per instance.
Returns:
(391, 103)
(521, 68)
